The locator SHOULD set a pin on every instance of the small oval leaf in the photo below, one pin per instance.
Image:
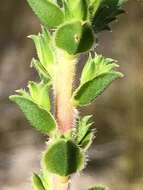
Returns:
(49, 13)
(63, 158)
(39, 118)
(90, 90)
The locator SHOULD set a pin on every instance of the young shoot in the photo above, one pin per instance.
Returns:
(70, 28)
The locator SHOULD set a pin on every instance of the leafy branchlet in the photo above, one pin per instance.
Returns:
(69, 29)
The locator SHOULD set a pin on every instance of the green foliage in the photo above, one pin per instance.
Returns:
(70, 25)
(42, 181)
(107, 11)
(89, 91)
(37, 183)
(97, 66)
(43, 74)
(93, 7)
(84, 132)
(46, 179)
(63, 158)
(71, 37)
(39, 118)
(49, 13)
(43, 43)
(97, 75)
(87, 140)
(76, 10)
(39, 94)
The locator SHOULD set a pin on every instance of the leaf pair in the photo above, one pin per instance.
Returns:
(98, 13)
(71, 32)
(52, 14)
(36, 107)
(97, 75)
(69, 37)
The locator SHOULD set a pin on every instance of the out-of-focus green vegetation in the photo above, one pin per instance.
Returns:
(117, 154)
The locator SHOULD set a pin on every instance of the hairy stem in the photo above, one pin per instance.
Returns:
(64, 76)
(60, 184)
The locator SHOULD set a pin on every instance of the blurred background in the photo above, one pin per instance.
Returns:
(116, 157)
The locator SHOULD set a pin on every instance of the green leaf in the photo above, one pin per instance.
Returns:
(83, 127)
(46, 179)
(97, 75)
(39, 94)
(89, 91)
(97, 66)
(87, 140)
(71, 37)
(93, 7)
(37, 183)
(39, 118)
(87, 33)
(97, 188)
(43, 74)
(22, 92)
(84, 132)
(76, 10)
(106, 13)
(63, 158)
(49, 13)
(44, 50)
